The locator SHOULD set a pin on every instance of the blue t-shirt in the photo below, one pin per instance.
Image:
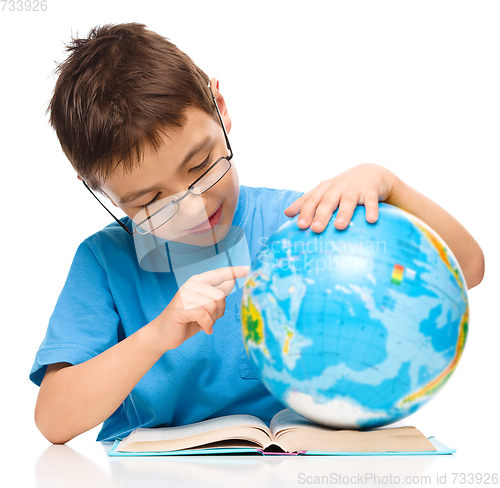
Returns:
(110, 294)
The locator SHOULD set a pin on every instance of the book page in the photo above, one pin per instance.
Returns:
(288, 419)
(192, 430)
(294, 432)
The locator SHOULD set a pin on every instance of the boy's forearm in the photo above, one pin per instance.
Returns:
(77, 398)
(462, 244)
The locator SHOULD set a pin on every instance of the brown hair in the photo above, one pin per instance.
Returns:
(116, 91)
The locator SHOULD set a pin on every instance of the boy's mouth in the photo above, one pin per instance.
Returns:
(209, 224)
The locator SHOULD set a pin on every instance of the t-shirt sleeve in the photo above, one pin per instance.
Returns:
(84, 322)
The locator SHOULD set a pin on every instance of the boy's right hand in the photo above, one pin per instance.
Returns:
(200, 301)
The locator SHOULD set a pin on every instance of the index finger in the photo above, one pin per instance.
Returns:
(218, 276)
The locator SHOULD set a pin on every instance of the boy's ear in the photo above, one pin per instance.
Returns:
(214, 84)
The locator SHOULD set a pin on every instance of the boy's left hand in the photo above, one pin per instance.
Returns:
(364, 184)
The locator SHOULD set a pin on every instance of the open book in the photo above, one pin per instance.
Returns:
(289, 433)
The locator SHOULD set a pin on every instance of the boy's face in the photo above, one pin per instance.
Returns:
(161, 172)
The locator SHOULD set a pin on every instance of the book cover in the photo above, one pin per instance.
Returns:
(440, 449)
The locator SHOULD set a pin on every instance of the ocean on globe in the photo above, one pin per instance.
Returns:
(355, 328)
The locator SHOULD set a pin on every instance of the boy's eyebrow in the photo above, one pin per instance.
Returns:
(194, 151)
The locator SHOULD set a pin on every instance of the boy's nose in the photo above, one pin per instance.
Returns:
(193, 209)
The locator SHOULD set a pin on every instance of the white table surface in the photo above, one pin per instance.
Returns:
(83, 462)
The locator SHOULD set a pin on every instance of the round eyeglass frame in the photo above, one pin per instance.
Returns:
(189, 188)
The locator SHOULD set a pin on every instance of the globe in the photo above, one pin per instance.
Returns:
(355, 328)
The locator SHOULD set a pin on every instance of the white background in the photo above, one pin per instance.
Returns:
(312, 88)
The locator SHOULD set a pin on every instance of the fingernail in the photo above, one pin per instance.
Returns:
(302, 221)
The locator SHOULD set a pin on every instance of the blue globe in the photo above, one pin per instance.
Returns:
(355, 328)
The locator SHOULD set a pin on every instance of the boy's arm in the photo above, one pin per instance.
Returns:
(464, 247)
(74, 399)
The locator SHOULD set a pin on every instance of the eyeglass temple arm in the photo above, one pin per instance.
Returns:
(222, 122)
(107, 210)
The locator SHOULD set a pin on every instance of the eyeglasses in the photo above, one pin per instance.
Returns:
(160, 213)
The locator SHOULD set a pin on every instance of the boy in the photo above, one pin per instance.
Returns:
(141, 125)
